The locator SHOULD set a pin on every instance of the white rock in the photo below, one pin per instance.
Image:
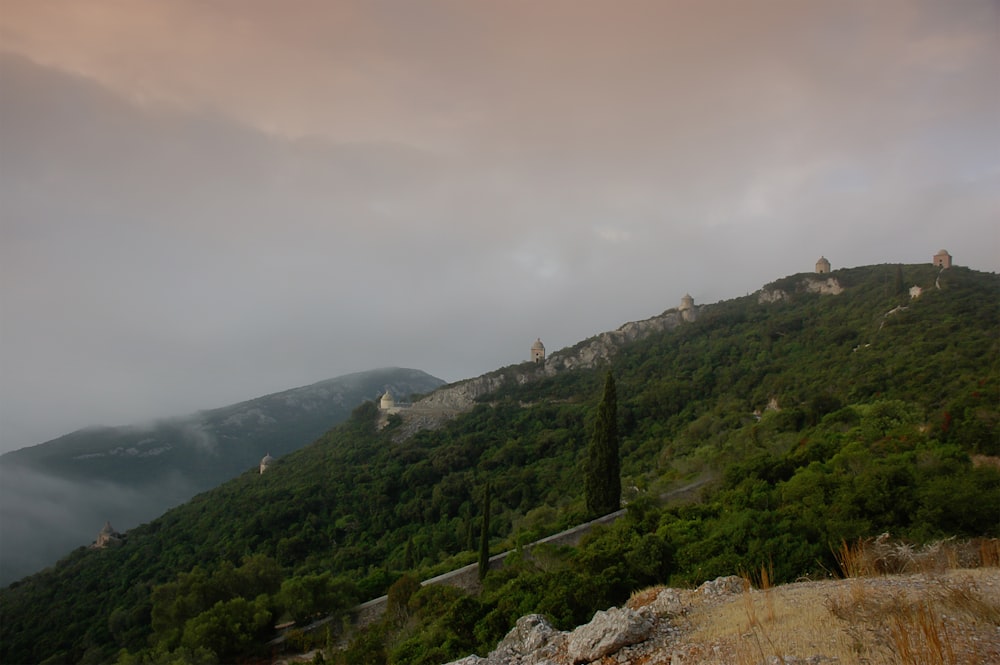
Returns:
(606, 633)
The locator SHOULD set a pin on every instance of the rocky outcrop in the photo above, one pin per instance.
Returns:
(449, 401)
(599, 349)
(606, 633)
(632, 634)
(809, 284)
(532, 641)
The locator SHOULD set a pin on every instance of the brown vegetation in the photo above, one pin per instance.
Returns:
(936, 605)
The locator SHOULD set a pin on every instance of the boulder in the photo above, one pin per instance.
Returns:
(532, 641)
(606, 633)
(722, 586)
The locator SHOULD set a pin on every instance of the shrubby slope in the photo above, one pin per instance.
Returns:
(816, 418)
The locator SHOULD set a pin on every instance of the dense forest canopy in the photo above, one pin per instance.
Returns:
(804, 422)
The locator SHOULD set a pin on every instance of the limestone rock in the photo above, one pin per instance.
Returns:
(829, 287)
(774, 295)
(468, 660)
(722, 586)
(606, 633)
(668, 603)
(532, 641)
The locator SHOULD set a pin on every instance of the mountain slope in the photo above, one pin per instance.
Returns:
(56, 495)
(821, 416)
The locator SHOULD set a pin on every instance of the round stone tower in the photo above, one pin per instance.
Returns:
(538, 351)
(822, 266)
(942, 259)
(687, 307)
(266, 462)
(387, 403)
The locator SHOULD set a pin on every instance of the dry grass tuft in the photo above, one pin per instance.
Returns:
(644, 597)
(926, 612)
(885, 556)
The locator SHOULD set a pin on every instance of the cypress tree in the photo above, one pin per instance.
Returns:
(484, 535)
(602, 481)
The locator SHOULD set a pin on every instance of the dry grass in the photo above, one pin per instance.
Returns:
(903, 606)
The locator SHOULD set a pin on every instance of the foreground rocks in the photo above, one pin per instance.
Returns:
(625, 634)
(823, 622)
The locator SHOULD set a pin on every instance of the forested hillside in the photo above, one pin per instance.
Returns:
(56, 495)
(811, 419)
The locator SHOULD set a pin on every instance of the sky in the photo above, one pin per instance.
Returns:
(202, 202)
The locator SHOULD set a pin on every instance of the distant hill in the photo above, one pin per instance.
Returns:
(819, 409)
(58, 494)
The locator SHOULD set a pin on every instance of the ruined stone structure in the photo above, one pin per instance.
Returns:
(266, 462)
(107, 537)
(538, 351)
(687, 308)
(822, 266)
(942, 259)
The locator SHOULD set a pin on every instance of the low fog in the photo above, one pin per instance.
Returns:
(43, 517)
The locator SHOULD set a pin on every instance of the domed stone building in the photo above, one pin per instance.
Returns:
(538, 351)
(107, 537)
(687, 308)
(822, 266)
(387, 403)
(942, 259)
(266, 462)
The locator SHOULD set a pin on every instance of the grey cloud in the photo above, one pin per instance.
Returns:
(459, 182)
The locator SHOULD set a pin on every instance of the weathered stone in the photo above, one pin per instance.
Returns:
(722, 586)
(468, 660)
(668, 603)
(606, 633)
(532, 641)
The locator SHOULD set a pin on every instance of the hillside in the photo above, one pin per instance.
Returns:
(814, 416)
(56, 495)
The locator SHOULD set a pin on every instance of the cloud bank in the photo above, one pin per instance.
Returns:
(205, 202)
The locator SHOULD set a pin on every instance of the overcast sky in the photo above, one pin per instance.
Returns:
(206, 201)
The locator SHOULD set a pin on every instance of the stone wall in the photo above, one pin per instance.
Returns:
(467, 577)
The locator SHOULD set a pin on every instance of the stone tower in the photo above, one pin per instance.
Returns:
(822, 266)
(387, 402)
(266, 462)
(538, 351)
(942, 259)
(687, 307)
(107, 537)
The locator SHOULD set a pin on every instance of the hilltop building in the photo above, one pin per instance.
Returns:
(107, 537)
(822, 266)
(538, 351)
(942, 259)
(388, 405)
(687, 308)
(266, 463)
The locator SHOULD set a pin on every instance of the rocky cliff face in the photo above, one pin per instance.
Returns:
(449, 401)
(599, 349)
(808, 284)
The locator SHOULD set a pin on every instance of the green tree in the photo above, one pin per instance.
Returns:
(231, 628)
(602, 482)
(398, 598)
(484, 535)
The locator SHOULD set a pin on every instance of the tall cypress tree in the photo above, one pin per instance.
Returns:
(602, 482)
(484, 535)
